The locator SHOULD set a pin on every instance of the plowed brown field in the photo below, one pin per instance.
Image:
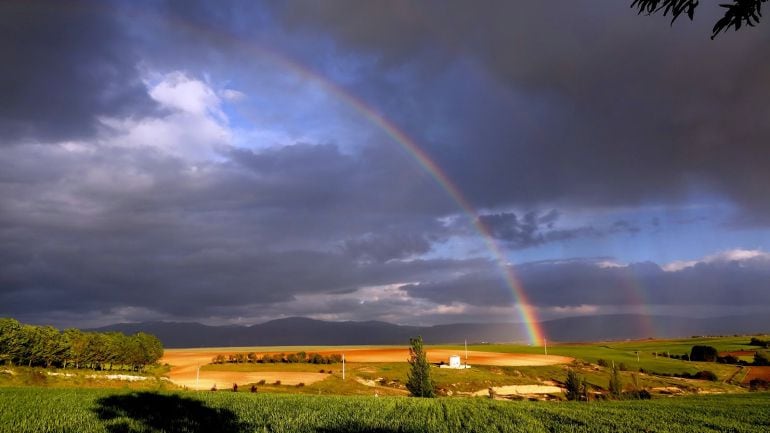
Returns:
(185, 362)
(757, 373)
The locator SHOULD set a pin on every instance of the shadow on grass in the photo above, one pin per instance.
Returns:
(360, 429)
(147, 412)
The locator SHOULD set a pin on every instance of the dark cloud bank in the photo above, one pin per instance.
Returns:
(585, 106)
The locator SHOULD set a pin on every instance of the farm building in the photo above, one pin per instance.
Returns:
(454, 362)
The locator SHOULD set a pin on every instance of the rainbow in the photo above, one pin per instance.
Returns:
(526, 311)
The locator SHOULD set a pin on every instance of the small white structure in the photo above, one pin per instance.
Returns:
(454, 362)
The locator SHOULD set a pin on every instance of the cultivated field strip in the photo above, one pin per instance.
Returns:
(26, 410)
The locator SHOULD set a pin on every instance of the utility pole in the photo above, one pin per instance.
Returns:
(545, 346)
(343, 366)
(466, 351)
(197, 377)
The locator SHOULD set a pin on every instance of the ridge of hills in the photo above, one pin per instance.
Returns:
(296, 331)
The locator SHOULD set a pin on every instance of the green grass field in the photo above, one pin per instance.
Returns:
(636, 354)
(27, 410)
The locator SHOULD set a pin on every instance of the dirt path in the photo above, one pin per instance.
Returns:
(520, 390)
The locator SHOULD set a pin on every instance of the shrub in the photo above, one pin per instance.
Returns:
(277, 382)
(703, 353)
(300, 385)
(603, 363)
(761, 359)
(573, 385)
(758, 384)
(642, 394)
(729, 359)
(261, 382)
(706, 375)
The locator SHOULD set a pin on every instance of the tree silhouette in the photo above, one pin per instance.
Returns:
(737, 13)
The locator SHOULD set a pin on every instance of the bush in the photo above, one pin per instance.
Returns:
(261, 382)
(277, 382)
(703, 353)
(761, 359)
(729, 359)
(642, 394)
(300, 385)
(706, 375)
(603, 363)
(758, 384)
(573, 385)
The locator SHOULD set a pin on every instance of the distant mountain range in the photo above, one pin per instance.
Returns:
(295, 331)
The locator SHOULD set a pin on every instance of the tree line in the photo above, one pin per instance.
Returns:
(276, 358)
(45, 346)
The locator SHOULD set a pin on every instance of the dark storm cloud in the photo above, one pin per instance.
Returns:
(586, 103)
(383, 247)
(524, 106)
(716, 282)
(533, 229)
(64, 64)
(107, 227)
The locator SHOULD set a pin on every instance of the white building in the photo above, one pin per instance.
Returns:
(454, 361)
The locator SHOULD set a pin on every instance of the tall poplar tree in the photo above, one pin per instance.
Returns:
(419, 382)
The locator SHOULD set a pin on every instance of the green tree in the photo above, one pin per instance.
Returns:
(616, 385)
(52, 346)
(418, 381)
(737, 13)
(151, 349)
(703, 353)
(11, 340)
(77, 342)
(574, 385)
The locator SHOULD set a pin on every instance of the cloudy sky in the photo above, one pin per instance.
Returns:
(232, 162)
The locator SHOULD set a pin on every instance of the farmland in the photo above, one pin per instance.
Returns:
(309, 397)
(185, 364)
(95, 411)
(383, 370)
